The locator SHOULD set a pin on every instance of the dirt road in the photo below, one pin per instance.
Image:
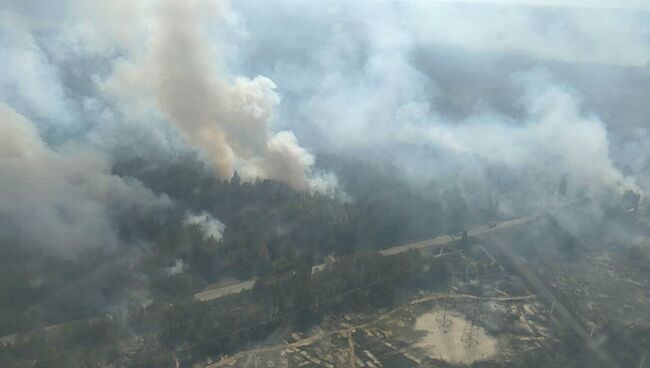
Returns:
(440, 240)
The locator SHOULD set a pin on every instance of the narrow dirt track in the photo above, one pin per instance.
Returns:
(212, 294)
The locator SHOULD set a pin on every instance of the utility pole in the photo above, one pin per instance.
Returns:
(470, 333)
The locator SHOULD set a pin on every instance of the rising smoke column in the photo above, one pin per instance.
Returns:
(226, 119)
(209, 226)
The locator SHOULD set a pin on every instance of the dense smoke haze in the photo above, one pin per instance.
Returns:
(65, 198)
(448, 94)
(173, 172)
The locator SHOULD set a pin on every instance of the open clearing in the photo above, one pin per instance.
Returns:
(448, 338)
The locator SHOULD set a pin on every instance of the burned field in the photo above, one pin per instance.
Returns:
(497, 309)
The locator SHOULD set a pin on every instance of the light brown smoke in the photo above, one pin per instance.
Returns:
(227, 120)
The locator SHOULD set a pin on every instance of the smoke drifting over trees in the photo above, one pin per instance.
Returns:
(493, 109)
(65, 199)
(226, 119)
(150, 149)
(210, 226)
(364, 84)
(455, 93)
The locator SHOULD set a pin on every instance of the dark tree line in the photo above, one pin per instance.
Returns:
(191, 331)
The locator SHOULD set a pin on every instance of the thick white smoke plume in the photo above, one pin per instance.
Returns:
(553, 142)
(63, 200)
(432, 88)
(227, 119)
(477, 97)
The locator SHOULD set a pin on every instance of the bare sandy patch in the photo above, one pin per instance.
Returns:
(452, 338)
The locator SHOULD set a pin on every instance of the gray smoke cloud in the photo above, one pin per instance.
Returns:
(78, 88)
(63, 200)
(162, 75)
(226, 118)
(500, 100)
